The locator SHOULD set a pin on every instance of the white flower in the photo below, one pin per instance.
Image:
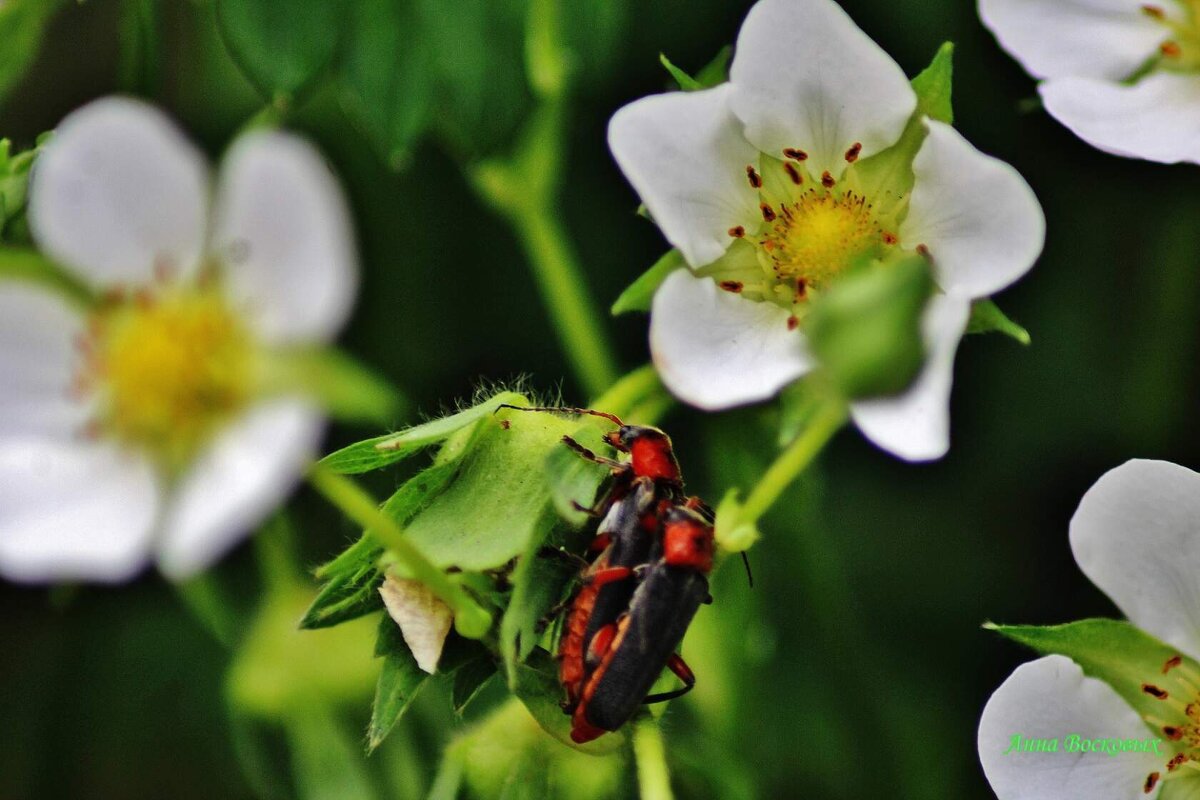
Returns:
(1135, 536)
(138, 428)
(768, 186)
(1123, 75)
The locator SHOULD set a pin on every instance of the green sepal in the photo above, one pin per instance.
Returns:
(986, 317)
(344, 598)
(400, 679)
(889, 173)
(346, 389)
(22, 264)
(866, 328)
(572, 478)
(640, 294)
(1114, 651)
(711, 74)
(14, 185)
(538, 688)
(381, 451)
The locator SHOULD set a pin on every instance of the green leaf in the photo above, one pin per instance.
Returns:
(22, 25)
(594, 34)
(712, 74)
(934, 86)
(399, 682)
(469, 680)
(384, 450)
(500, 504)
(478, 49)
(986, 317)
(349, 391)
(866, 329)
(345, 597)
(539, 583)
(282, 46)
(1116, 652)
(572, 478)
(538, 688)
(386, 77)
(640, 294)
(325, 761)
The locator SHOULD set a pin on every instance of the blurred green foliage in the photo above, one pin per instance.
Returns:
(856, 666)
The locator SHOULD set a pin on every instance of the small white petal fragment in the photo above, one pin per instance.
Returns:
(1106, 39)
(1051, 699)
(977, 215)
(716, 350)
(424, 620)
(119, 195)
(685, 155)
(246, 472)
(1157, 118)
(39, 360)
(284, 234)
(1136, 535)
(806, 77)
(915, 425)
(74, 510)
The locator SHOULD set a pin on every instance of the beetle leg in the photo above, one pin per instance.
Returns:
(590, 456)
(600, 543)
(677, 665)
(608, 575)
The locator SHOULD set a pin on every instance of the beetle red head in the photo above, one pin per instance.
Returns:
(650, 452)
(688, 540)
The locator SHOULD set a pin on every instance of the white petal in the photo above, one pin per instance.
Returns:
(424, 620)
(1089, 38)
(1051, 698)
(977, 215)
(716, 350)
(686, 157)
(283, 227)
(806, 77)
(246, 473)
(74, 511)
(916, 424)
(1136, 535)
(38, 363)
(119, 192)
(1157, 118)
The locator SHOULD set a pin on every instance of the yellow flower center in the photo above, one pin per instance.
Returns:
(1180, 52)
(1177, 688)
(167, 370)
(817, 236)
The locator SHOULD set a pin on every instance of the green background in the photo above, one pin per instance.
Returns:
(856, 666)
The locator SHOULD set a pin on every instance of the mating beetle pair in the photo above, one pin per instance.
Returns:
(642, 590)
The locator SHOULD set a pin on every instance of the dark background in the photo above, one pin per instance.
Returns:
(856, 667)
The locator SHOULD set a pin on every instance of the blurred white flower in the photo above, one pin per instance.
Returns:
(1135, 536)
(139, 429)
(767, 186)
(1123, 75)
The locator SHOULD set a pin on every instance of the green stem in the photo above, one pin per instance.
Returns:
(654, 780)
(794, 460)
(560, 280)
(636, 390)
(206, 601)
(470, 619)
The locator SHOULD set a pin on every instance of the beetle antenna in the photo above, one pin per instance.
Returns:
(749, 574)
(613, 418)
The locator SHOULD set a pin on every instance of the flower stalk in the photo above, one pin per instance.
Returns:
(654, 779)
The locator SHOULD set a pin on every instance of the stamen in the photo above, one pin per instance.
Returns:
(1151, 782)
(768, 213)
(754, 178)
(853, 153)
(890, 238)
(801, 288)
(1154, 11)
(737, 231)
(1172, 732)
(793, 323)
(794, 154)
(731, 286)
(1154, 691)
(1172, 663)
(923, 251)
(827, 180)
(1171, 49)
(793, 173)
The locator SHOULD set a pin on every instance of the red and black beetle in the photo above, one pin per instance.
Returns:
(630, 653)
